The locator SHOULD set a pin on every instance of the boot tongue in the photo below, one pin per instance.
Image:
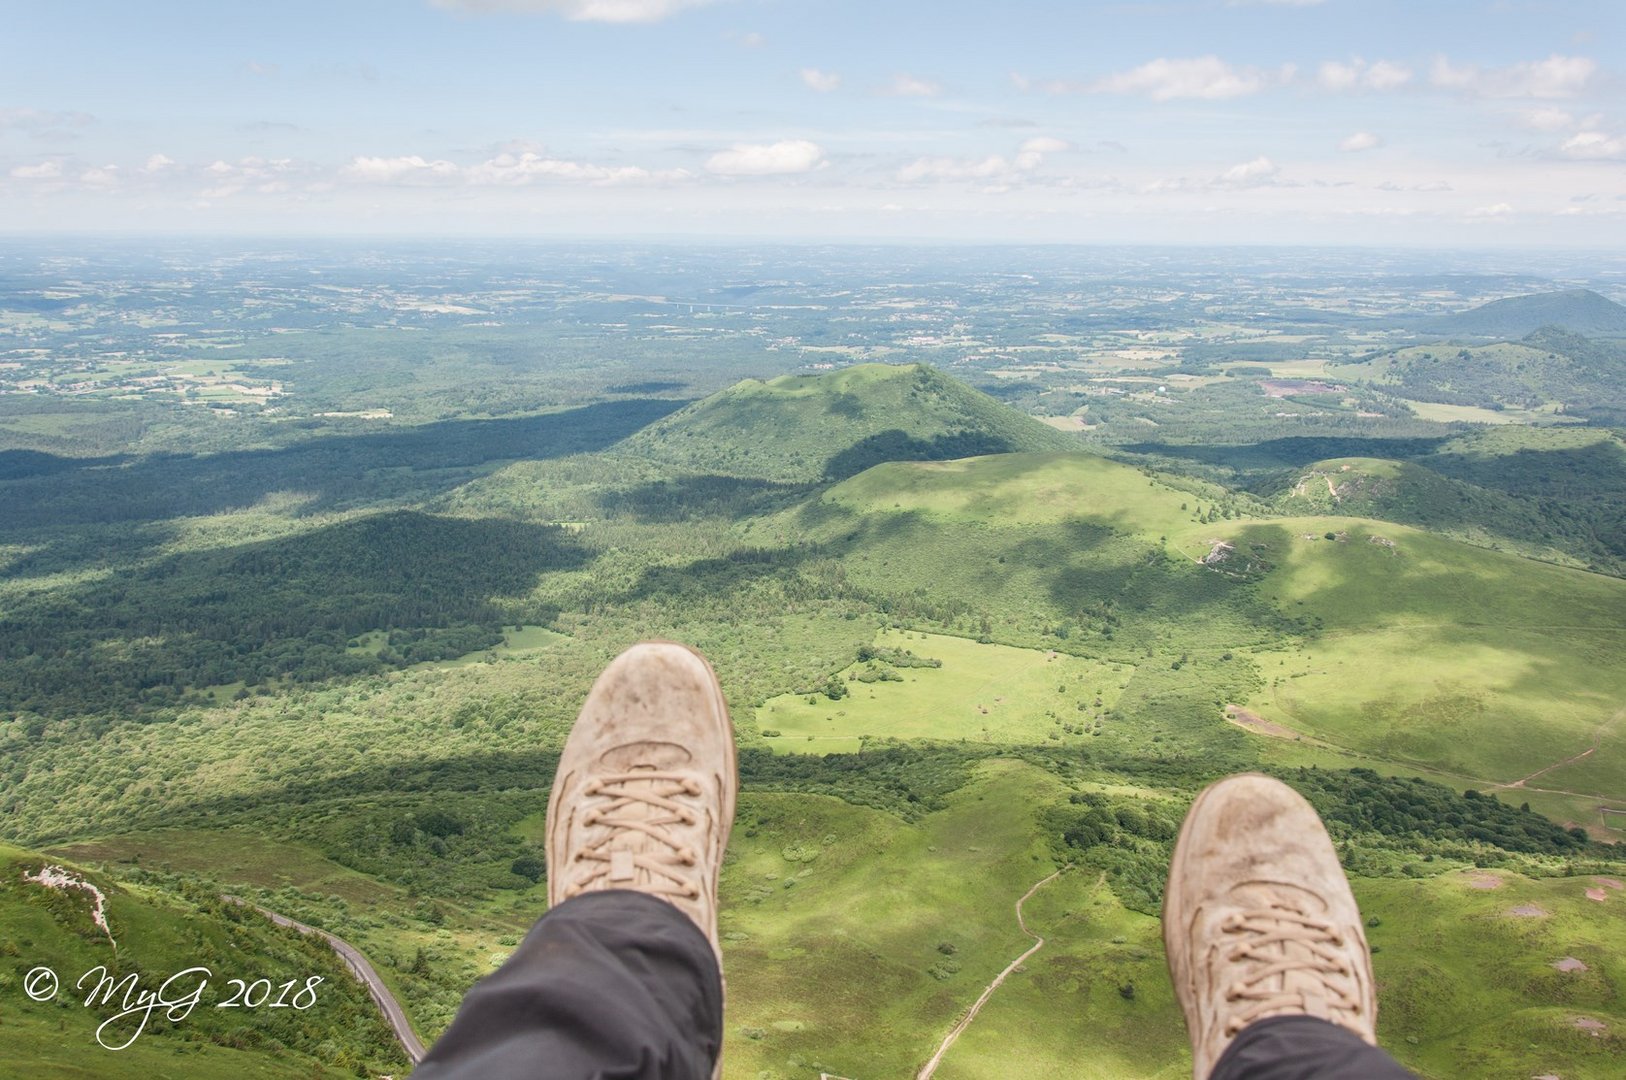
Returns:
(650, 756)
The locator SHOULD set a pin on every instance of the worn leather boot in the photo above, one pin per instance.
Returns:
(1258, 919)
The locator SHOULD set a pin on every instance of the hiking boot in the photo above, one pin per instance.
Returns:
(1258, 919)
(644, 795)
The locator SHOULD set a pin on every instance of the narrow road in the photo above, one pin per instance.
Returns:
(971, 1014)
(362, 970)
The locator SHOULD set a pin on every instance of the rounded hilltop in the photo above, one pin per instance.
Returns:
(831, 425)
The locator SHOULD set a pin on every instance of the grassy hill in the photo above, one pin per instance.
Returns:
(818, 427)
(979, 670)
(1580, 311)
(1424, 649)
(1413, 494)
(161, 932)
(1548, 376)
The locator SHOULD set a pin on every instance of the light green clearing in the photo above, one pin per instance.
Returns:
(1473, 414)
(517, 643)
(989, 693)
(1021, 489)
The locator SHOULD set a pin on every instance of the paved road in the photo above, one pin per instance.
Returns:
(362, 970)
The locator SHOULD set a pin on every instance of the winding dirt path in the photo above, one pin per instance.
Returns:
(362, 970)
(971, 1013)
(1550, 768)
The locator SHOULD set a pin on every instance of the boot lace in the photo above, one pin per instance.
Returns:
(1281, 942)
(642, 801)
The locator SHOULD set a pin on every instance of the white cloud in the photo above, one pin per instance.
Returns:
(783, 158)
(1432, 185)
(1357, 74)
(1490, 213)
(1555, 77)
(910, 86)
(1361, 140)
(1273, 3)
(1029, 156)
(1260, 172)
(1595, 146)
(1547, 119)
(822, 81)
(506, 169)
(41, 119)
(263, 174)
(753, 40)
(104, 176)
(1206, 77)
(263, 70)
(1044, 144)
(517, 169)
(947, 168)
(611, 11)
(1384, 75)
(45, 170)
(409, 169)
(158, 163)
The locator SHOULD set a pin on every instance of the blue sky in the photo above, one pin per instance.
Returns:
(1435, 122)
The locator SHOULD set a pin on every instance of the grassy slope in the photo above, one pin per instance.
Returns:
(160, 934)
(832, 970)
(1467, 989)
(1436, 653)
(1413, 494)
(1426, 650)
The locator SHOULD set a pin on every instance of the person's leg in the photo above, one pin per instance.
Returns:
(1304, 1048)
(1264, 942)
(609, 984)
(622, 978)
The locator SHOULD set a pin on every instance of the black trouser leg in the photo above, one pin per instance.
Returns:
(612, 985)
(1303, 1048)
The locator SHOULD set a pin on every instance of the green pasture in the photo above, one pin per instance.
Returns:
(983, 692)
(1021, 489)
(1439, 654)
(835, 918)
(1474, 414)
(519, 642)
(1094, 1004)
(1482, 997)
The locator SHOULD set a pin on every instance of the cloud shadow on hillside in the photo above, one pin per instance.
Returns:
(337, 472)
(898, 445)
(687, 498)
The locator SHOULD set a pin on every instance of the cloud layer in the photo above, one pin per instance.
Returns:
(611, 11)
